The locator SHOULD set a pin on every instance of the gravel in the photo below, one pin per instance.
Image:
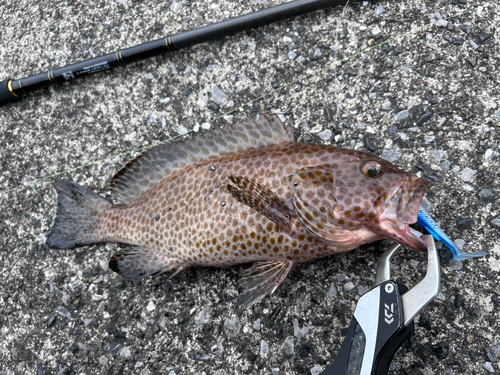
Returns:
(63, 311)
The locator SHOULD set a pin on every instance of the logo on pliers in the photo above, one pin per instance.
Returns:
(389, 313)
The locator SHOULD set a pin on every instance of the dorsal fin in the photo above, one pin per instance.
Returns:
(154, 164)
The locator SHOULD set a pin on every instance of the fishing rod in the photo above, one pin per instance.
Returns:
(11, 90)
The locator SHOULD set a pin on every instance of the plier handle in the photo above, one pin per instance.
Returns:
(384, 316)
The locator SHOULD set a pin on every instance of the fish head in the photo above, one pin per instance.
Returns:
(357, 198)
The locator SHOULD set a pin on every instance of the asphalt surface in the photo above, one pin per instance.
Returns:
(429, 101)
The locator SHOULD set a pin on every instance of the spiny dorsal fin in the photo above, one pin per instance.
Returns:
(154, 164)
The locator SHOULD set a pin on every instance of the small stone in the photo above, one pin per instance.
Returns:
(200, 356)
(442, 23)
(488, 367)
(332, 293)
(325, 135)
(297, 331)
(370, 144)
(151, 306)
(182, 130)
(464, 223)
(125, 352)
(390, 155)
(469, 339)
(141, 326)
(488, 154)
(289, 345)
(174, 7)
(63, 311)
(315, 370)
(186, 91)
(51, 321)
(378, 11)
(484, 37)
(372, 95)
(348, 286)
(438, 155)
(497, 112)
(362, 289)
(429, 138)
(462, 145)
(460, 243)
(256, 324)
(402, 115)
(456, 265)
(445, 165)
(486, 196)
(413, 263)
(424, 118)
(495, 222)
(218, 94)
(467, 174)
(292, 55)
(496, 350)
(203, 317)
(232, 327)
(490, 355)
(264, 348)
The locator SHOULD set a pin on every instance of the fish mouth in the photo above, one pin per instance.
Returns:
(404, 235)
(401, 210)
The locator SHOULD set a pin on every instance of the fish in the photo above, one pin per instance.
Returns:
(426, 221)
(242, 193)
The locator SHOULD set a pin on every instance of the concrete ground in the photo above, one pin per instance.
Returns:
(429, 101)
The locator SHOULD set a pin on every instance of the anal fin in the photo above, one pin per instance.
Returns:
(263, 200)
(138, 262)
(262, 279)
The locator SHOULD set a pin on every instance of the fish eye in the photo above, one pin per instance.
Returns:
(372, 169)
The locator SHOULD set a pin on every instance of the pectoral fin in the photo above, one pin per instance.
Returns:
(138, 262)
(262, 279)
(263, 200)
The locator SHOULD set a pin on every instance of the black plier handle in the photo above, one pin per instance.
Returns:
(383, 318)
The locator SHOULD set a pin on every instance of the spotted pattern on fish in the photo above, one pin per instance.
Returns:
(246, 193)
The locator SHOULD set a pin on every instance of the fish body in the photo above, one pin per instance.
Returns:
(427, 222)
(244, 193)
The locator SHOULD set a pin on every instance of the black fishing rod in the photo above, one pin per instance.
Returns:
(12, 90)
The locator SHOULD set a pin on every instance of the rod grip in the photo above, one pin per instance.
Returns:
(6, 93)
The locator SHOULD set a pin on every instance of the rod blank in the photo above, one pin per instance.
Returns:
(12, 90)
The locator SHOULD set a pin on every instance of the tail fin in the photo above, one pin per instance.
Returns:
(76, 217)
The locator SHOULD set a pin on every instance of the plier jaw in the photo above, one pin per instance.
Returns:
(415, 299)
(384, 316)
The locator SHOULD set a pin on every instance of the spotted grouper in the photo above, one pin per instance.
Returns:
(242, 193)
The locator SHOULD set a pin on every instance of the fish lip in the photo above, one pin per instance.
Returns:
(404, 235)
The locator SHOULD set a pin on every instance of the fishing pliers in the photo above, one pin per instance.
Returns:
(383, 318)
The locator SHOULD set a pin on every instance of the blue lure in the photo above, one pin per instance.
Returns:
(425, 221)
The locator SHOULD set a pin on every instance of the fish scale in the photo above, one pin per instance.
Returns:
(259, 197)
